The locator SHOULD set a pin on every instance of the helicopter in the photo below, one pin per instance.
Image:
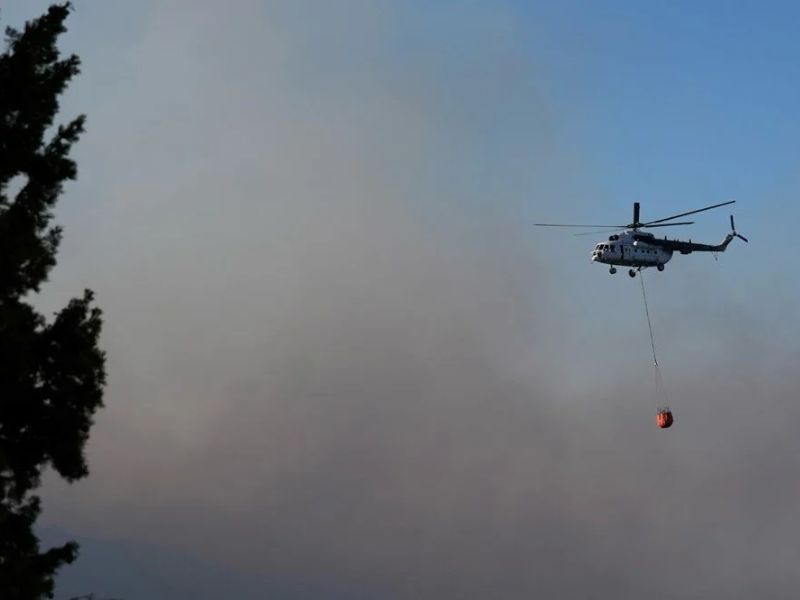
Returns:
(639, 250)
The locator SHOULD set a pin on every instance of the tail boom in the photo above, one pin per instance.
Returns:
(689, 247)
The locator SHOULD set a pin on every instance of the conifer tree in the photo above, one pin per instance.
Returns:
(52, 372)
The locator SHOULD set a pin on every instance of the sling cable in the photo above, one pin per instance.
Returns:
(664, 417)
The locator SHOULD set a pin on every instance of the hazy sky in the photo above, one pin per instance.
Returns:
(339, 354)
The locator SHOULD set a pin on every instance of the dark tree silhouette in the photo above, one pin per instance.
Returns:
(52, 373)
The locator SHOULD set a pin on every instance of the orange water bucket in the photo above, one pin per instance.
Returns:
(664, 418)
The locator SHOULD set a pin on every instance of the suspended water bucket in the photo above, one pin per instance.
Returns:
(664, 418)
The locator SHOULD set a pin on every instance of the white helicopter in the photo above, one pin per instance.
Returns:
(640, 249)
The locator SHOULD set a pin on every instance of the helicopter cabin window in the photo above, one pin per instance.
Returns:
(613, 248)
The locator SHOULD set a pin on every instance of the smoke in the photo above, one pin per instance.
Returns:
(336, 355)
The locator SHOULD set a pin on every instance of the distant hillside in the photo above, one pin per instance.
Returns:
(131, 570)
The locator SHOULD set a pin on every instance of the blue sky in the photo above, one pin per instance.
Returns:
(339, 352)
(671, 104)
(686, 100)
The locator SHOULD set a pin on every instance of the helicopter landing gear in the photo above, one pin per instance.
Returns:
(612, 270)
(632, 273)
(660, 267)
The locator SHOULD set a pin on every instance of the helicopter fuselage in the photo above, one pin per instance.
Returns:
(631, 249)
(639, 250)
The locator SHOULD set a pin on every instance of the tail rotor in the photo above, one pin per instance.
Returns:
(733, 231)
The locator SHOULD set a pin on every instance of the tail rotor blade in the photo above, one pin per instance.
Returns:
(741, 237)
(733, 227)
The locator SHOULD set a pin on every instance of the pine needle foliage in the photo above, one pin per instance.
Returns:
(52, 372)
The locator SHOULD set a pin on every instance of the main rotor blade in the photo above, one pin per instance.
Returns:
(571, 225)
(667, 224)
(691, 212)
(604, 232)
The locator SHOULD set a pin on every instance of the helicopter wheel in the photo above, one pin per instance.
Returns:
(612, 270)
(660, 267)
(632, 273)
